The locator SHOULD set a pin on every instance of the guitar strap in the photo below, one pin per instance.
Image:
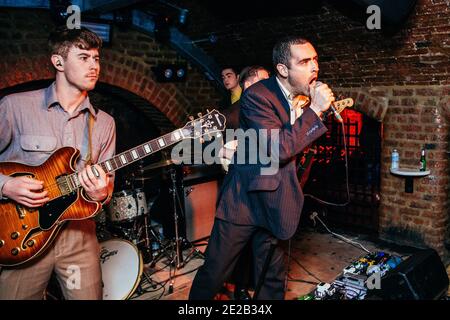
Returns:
(90, 124)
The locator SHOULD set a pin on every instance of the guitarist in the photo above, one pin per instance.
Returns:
(33, 125)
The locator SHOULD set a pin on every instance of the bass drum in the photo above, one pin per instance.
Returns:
(122, 265)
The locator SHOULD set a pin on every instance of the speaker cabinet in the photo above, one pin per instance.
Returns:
(420, 277)
(200, 209)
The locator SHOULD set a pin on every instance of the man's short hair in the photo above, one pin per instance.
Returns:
(282, 50)
(62, 39)
(234, 69)
(247, 73)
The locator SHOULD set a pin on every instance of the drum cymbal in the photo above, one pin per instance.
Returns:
(160, 164)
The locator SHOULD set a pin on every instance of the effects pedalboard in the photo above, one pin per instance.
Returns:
(356, 278)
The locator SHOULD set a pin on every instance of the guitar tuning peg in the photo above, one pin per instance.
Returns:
(207, 110)
(191, 118)
(201, 140)
(199, 114)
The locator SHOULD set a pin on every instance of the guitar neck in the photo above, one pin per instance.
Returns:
(132, 155)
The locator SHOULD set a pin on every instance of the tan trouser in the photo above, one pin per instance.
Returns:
(75, 258)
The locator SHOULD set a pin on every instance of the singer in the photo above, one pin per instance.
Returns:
(264, 209)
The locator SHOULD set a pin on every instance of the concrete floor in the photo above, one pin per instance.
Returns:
(315, 257)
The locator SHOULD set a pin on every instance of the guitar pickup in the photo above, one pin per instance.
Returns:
(63, 184)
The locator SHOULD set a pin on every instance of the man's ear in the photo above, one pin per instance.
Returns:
(282, 70)
(58, 62)
(247, 84)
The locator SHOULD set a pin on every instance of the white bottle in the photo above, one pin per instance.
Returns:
(395, 159)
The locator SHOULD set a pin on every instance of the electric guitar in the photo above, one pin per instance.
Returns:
(25, 233)
(226, 153)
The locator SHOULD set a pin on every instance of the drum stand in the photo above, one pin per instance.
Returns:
(173, 249)
(178, 250)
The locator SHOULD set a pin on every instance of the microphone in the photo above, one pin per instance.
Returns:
(332, 108)
(336, 114)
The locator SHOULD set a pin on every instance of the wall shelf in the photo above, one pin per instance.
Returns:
(409, 175)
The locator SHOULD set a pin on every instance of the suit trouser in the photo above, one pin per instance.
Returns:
(241, 275)
(75, 258)
(225, 245)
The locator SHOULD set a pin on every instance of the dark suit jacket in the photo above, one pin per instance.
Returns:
(232, 115)
(273, 201)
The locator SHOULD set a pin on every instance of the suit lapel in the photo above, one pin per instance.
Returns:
(274, 87)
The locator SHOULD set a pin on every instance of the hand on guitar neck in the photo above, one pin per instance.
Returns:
(95, 182)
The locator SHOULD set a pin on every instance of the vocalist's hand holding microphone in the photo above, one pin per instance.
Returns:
(322, 99)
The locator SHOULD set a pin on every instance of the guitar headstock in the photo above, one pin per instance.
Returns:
(342, 104)
(210, 123)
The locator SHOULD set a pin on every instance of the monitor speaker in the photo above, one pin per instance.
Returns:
(420, 277)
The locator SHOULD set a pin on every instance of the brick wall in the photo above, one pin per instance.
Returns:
(416, 116)
(126, 63)
(412, 116)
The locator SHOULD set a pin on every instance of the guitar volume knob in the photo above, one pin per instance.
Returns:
(2, 243)
(31, 242)
(15, 235)
(15, 251)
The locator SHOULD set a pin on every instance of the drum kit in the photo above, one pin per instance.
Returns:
(129, 238)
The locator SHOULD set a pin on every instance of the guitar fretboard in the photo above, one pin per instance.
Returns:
(127, 157)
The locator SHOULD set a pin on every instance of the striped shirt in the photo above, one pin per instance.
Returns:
(33, 125)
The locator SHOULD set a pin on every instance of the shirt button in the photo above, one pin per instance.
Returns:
(37, 146)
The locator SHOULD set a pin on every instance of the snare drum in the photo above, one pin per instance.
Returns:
(121, 265)
(127, 205)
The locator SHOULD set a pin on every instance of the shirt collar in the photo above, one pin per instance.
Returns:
(51, 100)
(289, 96)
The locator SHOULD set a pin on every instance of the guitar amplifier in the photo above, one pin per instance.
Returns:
(201, 188)
(200, 209)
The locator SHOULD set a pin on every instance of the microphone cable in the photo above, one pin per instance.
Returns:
(315, 215)
(346, 177)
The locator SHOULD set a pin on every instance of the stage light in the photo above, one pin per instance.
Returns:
(181, 72)
(103, 30)
(170, 72)
(183, 16)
